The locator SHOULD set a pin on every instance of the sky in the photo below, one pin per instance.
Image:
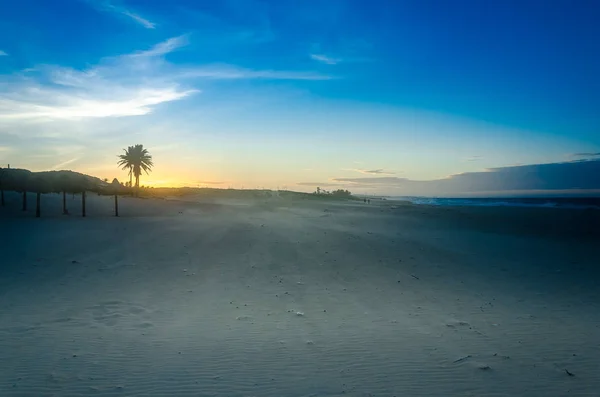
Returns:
(382, 97)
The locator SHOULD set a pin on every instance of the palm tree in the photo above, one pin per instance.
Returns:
(136, 159)
(126, 161)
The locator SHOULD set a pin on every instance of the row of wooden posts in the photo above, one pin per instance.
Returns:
(64, 199)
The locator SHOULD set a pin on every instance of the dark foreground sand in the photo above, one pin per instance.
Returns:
(278, 297)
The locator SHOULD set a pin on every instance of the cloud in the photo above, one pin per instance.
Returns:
(108, 6)
(574, 175)
(164, 47)
(126, 85)
(375, 172)
(318, 184)
(61, 166)
(3, 54)
(137, 104)
(383, 181)
(378, 171)
(230, 72)
(326, 59)
(346, 50)
(586, 154)
(146, 23)
(474, 158)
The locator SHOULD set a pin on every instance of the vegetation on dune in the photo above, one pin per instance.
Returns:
(20, 180)
(24, 181)
(136, 159)
(162, 192)
(339, 193)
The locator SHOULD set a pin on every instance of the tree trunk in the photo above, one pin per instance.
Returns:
(37, 204)
(137, 185)
(65, 212)
(130, 177)
(116, 206)
(83, 203)
(24, 201)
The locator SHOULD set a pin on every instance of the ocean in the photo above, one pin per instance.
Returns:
(549, 202)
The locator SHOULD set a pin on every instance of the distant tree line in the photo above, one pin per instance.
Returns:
(341, 193)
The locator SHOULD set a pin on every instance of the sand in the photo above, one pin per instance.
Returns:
(288, 297)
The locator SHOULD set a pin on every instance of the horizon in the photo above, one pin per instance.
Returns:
(387, 98)
(559, 194)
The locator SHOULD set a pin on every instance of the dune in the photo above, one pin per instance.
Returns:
(279, 296)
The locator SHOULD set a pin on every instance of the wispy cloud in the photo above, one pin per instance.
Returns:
(3, 54)
(108, 6)
(146, 23)
(329, 60)
(343, 51)
(164, 47)
(318, 184)
(127, 85)
(230, 72)
(382, 181)
(474, 158)
(61, 166)
(379, 171)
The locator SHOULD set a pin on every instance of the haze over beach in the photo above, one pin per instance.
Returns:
(284, 198)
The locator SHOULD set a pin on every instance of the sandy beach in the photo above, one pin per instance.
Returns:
(274, 296)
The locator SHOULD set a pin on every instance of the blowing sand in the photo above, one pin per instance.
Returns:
(282, 297)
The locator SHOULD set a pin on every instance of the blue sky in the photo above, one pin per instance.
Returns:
(299, 93)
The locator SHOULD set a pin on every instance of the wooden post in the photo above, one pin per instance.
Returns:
(65, 212)
(24, 201)
(2, 187)
(83, 203)
(37, 204)
(116, 206)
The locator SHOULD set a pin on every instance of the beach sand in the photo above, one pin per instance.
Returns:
(278, 296)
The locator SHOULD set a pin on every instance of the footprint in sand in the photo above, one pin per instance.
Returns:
(113, 313)
(457, 324)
